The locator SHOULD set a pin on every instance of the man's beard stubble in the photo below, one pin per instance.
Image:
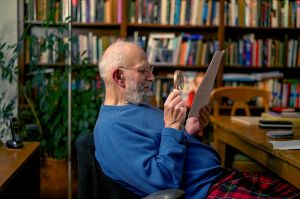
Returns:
(136, 94)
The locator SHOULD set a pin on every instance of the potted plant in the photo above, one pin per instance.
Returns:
(8, 73)
(44, 117)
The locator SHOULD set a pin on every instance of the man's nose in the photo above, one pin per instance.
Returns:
(150, 76)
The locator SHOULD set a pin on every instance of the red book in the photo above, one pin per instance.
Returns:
(280, 109)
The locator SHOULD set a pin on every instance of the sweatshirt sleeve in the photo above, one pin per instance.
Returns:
(143, 165)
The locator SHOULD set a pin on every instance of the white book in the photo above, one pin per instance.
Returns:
(163, 12)
(172, 12)
(286, 15)
(92, 11)
(274, 19)
(246, 120)
(232, 11)
(217, 14)
(247, 13)
(199, 20)
(83, 11)
(193, 19)
(94, 49)
(209, 13)
(182, 12)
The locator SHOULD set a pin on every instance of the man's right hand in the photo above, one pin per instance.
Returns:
(174, 110)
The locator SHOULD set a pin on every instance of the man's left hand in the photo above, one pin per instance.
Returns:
(195, 125)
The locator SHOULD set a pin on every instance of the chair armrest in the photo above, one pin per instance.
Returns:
(167, 194)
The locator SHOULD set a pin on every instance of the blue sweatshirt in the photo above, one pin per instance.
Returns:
(135, 150)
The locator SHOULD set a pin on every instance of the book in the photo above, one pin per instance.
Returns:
(275, 124)
(280, 134)
(245, 120)
(268, 116)
(288, 114)
(285, 145)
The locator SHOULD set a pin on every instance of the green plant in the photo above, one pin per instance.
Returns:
(46, 96)
(8, 72)
(51, 108)
(44, 117)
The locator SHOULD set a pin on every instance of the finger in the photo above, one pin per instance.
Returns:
(205, 110)
(180, 103)
(203, 120)
(173, 95)
(177, 101)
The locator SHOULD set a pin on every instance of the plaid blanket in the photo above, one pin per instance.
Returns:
(237, 184)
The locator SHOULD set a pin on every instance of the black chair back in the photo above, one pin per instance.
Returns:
(92, 182)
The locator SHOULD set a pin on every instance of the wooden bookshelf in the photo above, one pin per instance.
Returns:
(126, 25)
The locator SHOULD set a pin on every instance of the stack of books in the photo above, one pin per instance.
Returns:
(284, 112)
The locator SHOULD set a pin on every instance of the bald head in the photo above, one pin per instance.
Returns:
(120, 53)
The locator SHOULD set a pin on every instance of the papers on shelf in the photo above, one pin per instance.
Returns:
(253, 77)
(245, 120)
(284, 145)
(268, 116)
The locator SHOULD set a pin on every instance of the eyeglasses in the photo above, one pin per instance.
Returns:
(146, 70)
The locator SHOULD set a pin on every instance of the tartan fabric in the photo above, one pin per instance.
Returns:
(237, 184)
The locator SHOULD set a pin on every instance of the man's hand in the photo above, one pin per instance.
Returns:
(174, 110)
(196, 125)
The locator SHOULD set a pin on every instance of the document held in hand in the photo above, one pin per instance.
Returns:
(202, 95)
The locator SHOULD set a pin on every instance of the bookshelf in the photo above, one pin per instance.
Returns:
(262, 37)
(232, 25)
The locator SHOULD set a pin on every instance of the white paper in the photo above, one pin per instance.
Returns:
(202, 95)
(284, 145)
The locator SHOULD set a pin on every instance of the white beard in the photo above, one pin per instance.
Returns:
(135, 94)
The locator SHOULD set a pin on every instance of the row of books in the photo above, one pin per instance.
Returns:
(248, 13)
(285, 92)
(174, 12)
(89, 48)
(268, 52)
(161, 48)
(85, 11)
(40, 10)
(107, 11)
(183, 49)
(86, 49)
(262, 13)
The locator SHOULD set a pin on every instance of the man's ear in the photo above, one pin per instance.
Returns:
(118, 77)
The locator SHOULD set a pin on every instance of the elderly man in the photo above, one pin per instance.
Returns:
(143, 148)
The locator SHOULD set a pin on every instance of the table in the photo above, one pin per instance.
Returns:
(252, 141)
(20, 171)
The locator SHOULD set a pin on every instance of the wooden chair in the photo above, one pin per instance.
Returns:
(240, 97)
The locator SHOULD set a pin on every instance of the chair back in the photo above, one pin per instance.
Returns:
(92, 182)
(240, 97)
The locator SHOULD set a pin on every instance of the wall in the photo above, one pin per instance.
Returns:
(9, 34)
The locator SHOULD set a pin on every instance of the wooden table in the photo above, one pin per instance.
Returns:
(20, 171)
(252, 141)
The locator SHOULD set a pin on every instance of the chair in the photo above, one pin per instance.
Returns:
(240, 97)
(94, 184)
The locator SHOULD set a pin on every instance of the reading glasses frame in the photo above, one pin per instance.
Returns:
(143, 70)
